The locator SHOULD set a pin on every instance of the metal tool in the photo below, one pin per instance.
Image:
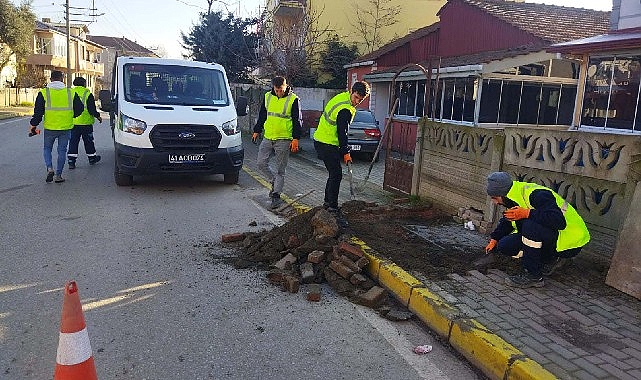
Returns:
(352, 193)
(287, 204)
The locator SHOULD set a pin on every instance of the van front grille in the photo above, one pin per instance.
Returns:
(185, 137)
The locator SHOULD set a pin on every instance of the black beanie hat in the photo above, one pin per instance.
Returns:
(498, 184)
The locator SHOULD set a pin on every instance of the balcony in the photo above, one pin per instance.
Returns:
(289, 9)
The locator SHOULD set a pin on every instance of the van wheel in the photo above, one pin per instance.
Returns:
(122, 179)
(231, 178)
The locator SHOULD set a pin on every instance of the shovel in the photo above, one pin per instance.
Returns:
(352, 194)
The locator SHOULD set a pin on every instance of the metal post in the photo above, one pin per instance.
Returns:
(68, 45)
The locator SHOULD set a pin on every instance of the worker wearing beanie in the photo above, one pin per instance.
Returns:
(539, 223)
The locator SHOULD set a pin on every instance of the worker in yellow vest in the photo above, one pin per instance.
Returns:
(330, 141)
(280, 120)
(539, 223)
(83, 125)
(57, 105)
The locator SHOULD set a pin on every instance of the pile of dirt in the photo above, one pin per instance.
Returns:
(311, 249)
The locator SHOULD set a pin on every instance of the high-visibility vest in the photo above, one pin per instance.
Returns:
(58, 108)
(574, 235)
(327, 131)
(279, 124)
(85, 117)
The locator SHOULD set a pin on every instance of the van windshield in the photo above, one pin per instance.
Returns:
(174, 85)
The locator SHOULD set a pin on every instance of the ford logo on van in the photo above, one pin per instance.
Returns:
(186, 135)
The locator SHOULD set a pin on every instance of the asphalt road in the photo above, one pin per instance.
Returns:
(160, 300)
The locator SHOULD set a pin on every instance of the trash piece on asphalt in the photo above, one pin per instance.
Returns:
(424, 349)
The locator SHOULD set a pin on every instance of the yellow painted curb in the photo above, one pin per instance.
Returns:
(298, 207)
(490, 353)
(399, 282)
(433, 311)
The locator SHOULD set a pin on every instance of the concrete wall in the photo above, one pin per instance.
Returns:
(14, 96)
(594, 171)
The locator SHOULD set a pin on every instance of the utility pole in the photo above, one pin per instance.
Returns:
(68, 45)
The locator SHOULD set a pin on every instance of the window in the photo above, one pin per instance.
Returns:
(611, 97)
(43, 46)
(174, 85)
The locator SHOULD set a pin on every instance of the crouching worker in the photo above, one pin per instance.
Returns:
(538, 224)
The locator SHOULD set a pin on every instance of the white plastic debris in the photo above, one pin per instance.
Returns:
(424, 349)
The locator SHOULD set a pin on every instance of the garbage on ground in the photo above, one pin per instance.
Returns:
(424, 349)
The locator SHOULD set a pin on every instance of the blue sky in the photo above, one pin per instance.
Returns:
(159, 23)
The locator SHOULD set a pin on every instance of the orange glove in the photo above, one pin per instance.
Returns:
(516, 213)
(347, 158)
(255, 137)
(490, 246)
(294, 146)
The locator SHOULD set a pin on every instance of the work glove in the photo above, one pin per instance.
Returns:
(516, 213)
(33, 131)
(294, 146)
(255, 137)
(347, 158)
(490, 246)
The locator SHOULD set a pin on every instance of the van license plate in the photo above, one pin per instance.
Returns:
(186, 158)
(355, 147)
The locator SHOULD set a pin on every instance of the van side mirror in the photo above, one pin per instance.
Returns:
(241, 106)
(105, 100)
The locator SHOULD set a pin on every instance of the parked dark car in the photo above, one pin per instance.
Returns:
(363, 135)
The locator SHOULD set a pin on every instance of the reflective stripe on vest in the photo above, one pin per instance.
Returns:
(58, 108)
(279, 124)
(85, 117)
(327, 131)
(574, 235)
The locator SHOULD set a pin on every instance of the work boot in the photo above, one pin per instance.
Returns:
(340, 219)
(525, 280)
(50, 174)
(276, 201)
(554, 265)
(72, 164)
(93, 159)
(58, 179)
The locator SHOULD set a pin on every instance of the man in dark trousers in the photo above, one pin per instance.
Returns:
(280, 120)
(83, 125)
(539, 223)
(330, 141)
(57, 105)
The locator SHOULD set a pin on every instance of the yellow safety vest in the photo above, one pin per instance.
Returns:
(58, 108)
(327, 131)
(574, 235)
(85, 117)
(279, 124)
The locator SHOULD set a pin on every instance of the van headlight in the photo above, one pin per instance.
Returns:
(230, 127)
(131, 125)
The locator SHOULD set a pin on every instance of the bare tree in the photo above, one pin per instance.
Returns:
(372, 18)
(292, 45)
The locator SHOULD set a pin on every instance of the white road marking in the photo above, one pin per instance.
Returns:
(421, 363)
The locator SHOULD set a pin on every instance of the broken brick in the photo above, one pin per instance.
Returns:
(316, 257)
(291, 284)
(362, 262)
(286, 261)
(372, 297)
(349, 263)
(351, 249)
(292, 242)
(230, 238)
(357, 279)
(314, 293)
(307, 272)
(341, 269)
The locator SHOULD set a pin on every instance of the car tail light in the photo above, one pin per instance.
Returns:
(373, 132)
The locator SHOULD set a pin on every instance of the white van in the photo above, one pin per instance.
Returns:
(173, 116)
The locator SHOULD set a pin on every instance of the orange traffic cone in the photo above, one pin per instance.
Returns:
(74, 360)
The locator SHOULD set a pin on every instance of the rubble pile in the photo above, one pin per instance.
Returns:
(310, 249)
